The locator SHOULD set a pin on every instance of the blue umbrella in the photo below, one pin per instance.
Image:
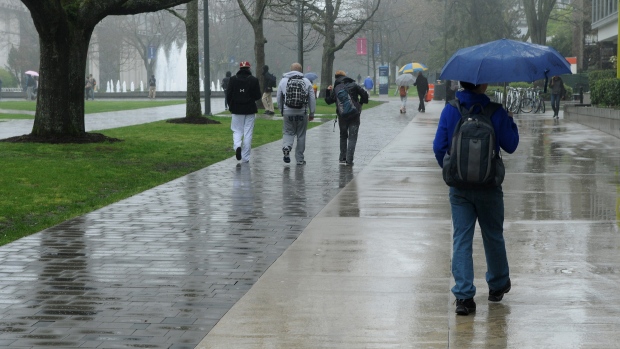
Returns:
(311, 76)
(504, 61)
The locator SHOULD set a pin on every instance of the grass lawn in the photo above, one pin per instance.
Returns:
(96, 106)
(16, 116)
(42, 185)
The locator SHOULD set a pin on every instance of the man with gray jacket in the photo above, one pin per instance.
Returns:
(297, 103)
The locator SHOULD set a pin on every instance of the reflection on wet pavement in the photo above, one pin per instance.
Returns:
(159, 269)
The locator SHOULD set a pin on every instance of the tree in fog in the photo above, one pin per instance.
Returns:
(337, 21)
(228, 33)
(144, 30)
(472, 22)
(65, 29)
(537, 13)
(193, 108)
(405, 35)
(254, 12)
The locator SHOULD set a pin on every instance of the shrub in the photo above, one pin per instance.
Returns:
(7, 79)
(606, 92)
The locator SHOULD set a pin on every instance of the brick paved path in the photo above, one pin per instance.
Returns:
(159, 269)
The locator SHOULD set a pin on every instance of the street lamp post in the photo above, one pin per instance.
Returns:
(207, 63)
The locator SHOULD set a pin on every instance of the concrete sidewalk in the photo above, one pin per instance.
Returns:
(326, 256)
(372, 269)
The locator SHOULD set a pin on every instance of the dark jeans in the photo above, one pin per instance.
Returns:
(421, 105)
(349, 128)
(555, 103)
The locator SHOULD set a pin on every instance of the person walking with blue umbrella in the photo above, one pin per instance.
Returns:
(471, 204)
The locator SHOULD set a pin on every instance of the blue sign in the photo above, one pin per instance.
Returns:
(384, 72)
(377, 48)
(151, 52)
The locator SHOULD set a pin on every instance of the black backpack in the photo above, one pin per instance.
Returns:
(271, 80)
(296, 92)
(240, 90)
(346, 105)
(472, 161)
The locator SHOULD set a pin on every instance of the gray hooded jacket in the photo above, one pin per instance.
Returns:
(282, 91)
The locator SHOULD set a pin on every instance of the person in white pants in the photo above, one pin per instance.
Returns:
(242, 93)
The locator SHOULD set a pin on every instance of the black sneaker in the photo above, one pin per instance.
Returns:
(286, 151)
(238, 153)
(349, 163)
(301, 163)
(465, 306)
(496, 296)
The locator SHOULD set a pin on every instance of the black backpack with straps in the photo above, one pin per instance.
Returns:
(472, 160)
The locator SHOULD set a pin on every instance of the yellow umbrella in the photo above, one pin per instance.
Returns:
(413, 67)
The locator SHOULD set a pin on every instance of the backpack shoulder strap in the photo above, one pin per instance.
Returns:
(491, 108)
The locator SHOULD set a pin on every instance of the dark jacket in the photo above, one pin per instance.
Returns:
(226, 81)
(243, 92)
(268, 77)
(422, 84)
(506, 132)
(355, 91)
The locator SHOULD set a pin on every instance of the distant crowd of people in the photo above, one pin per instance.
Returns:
(296, 98)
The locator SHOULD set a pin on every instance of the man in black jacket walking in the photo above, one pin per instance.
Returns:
(270, 82)
(349, 126)
(422, 84)
(242, 93)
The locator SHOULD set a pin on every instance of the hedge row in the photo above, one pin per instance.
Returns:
(604, 88)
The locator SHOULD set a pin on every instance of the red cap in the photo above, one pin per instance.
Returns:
(244, 64)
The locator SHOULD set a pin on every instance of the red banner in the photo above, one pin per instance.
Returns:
(361, 46)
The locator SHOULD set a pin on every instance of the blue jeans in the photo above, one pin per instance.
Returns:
(487, 207)
(555, 103)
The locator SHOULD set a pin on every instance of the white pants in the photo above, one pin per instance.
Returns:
(243, 128)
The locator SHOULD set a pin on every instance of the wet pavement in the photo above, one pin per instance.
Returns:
(269, 255)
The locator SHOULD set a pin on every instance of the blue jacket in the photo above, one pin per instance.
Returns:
(506, 132)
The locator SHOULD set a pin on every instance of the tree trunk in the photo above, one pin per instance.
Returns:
(327, 70)
(327, 58)
(193, 108)
(60, 98)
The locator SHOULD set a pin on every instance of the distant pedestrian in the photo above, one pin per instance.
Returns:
(422, 84)
(270, 83)
(91, 83)
(152, 87)
(297, 103)
(557, 92)
(368, 83)
(224, 85)
(484, 204)
(402, 92)
(451, 87)
(349, 126)
(30, 86)
(0, 89)
(242, 93)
